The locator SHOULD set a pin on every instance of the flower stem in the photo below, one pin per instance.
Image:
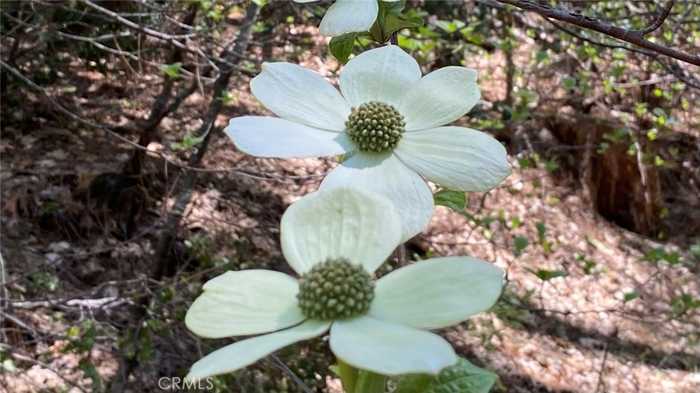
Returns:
(369, 382)
(348, 376)
(360, 381)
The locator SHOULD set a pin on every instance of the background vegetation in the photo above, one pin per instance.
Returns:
(121, 195)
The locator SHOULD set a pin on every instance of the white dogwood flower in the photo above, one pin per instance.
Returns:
(348, 16)
(387, 118)
(335, 240)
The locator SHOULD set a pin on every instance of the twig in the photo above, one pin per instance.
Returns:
(632, 36)
(659, 19)
(598, 43)
(161, 107)
(4, 301)
(601, 383)
(163, 264)
(172, 39)
(280, 364)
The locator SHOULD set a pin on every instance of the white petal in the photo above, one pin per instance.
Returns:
(386, 175)
(246, 352)
(294, 93)
(440, 98)
(272, 137)
(382, 74)
(455, 157)
(307, 1)
(245, 302)
(340, 223)
(437, 293)
(388, 348)
(348, 16)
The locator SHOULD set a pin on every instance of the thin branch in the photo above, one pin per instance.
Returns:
(659, 19)
(172, 39)
(632, 36)
(163, 264)
(284, 368)
(598, 43)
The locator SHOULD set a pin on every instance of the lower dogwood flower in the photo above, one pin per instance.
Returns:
(387, 121)
(348, 16)
(335, 240)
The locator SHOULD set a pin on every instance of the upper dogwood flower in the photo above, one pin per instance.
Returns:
(388, 118)
(335, 240)
(348, 16)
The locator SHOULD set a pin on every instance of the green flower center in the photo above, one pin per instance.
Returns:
(335, 289)
(375, 127)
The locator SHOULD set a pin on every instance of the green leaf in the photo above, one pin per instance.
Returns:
(657, 255)
(455, 200)
(171, 70)
(341, 46)
(394, 23)
(463, 377)
(629, 296)
(390, 20)
(541, 231)
(684, 303)
(188, 142)
(546, 275)
(449, 26)
(551, 165)
(91, 372)
(569, 83)
(520, 243)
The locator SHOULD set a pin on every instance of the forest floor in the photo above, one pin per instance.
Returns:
(586, 308)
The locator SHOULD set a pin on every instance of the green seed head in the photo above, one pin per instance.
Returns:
(375, 127)
(335, 289)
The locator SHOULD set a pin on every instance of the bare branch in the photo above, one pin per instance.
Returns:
(659, 19)
(172, 39)
(163, 264)
(632, 36)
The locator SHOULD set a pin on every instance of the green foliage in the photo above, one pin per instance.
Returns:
(629, 296)
(341, 46)
(173, 71)
(684, 303)
(87, 367)
(542, 237)
(520, 243)
(659, 254)
(463, 377)
(513, 309)
(44, 281)
(588, 264)
(391, 19)
(546, 275)
(187, 143)
(81, 338)
(455, 200)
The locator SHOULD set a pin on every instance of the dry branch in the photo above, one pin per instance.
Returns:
(161, 106)
(163, 264)
(635, 37)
